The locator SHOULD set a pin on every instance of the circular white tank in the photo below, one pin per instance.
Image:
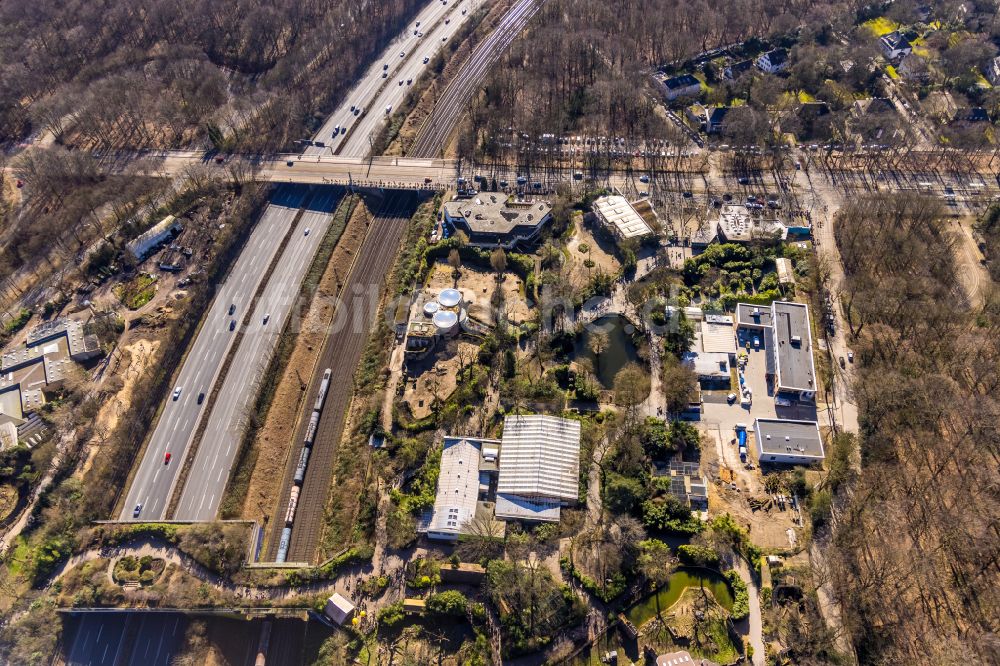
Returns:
(450, 298)
(446, 322)
(431, 308)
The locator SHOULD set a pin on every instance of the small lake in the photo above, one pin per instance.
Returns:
(620, 352)
(667, 595)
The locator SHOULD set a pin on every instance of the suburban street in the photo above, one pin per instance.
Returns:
(213, 460)
(154, 481)
(373, 93)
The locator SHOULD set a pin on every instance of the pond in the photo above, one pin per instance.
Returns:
(667, 595)
(620, 349)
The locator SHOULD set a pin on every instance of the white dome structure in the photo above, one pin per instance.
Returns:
(450, 298)
(446, 322)
(431, 308)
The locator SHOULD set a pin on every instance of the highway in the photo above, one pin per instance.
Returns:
(341, 352)
(434, 133)
(125, 638)
(154, 480)
(206, 481)
(373, 93)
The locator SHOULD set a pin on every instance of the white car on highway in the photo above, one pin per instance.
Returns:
(177, 392)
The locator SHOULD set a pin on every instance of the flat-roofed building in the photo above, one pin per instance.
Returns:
(786, 333)
(491, 219)
(713, 352)
(619, 217)
(539, 467)
(737, 225)
(795, 372)
(462, 485)
(754, 317)
(788, 442)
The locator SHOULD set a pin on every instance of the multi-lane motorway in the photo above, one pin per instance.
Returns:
(439, 20)
(154, 481)
(220, 441)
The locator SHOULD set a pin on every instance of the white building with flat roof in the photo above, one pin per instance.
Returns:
(788, 442)
(539, 467)
(787, 337)
(620, 217)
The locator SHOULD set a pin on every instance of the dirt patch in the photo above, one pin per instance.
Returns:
(477, 287)
(127, 365)
(435, 377)
(272, 441)
(587, 255)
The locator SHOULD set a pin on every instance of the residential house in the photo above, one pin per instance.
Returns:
(773, 61)
(674, 87)
(895, 45)
(710, 119)
(735, 70)
(992, 71)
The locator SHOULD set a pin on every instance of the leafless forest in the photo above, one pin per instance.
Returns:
(916, 549)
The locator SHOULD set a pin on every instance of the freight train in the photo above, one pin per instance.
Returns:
(300, 467)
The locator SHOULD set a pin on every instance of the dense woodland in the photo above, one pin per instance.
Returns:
(167, 73)
(916, 551)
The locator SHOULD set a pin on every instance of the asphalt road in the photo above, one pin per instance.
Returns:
(213, 460)
(341, 352)
(327, 169)
(438, 127)
(133, 638)
(373, 94)
(154, 481)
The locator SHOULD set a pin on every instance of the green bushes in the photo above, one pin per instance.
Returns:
(699, 556)
(449, 602)
(741, 597)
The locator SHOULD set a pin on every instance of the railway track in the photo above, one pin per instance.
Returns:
(341, 353)
(434, 133)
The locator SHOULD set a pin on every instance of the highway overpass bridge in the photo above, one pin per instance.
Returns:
(390, 172)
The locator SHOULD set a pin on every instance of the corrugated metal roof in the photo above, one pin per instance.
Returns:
(540, 457)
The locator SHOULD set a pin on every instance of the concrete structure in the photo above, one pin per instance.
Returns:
(795, 373)
(8, 435)
(618, 216)
(682, 658)
(788, 442)
(339, 609)
(468, 467)
(539, 467)
(430, 320)
(491, 219)
(786, 274)
(773, 61)
(735, 224)
(673, 87)
(41, 364)
(786, 334)
(713, 352)
(894, 45)
(161, 232)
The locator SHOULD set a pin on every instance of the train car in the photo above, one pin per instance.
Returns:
(293, 502)
(300, 469)
(324, 385)
(286, 539)
(311, 429)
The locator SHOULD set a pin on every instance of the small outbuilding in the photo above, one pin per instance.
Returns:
(339, 609)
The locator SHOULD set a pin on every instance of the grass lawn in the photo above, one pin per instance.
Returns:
(880, 26)
(137, 292)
